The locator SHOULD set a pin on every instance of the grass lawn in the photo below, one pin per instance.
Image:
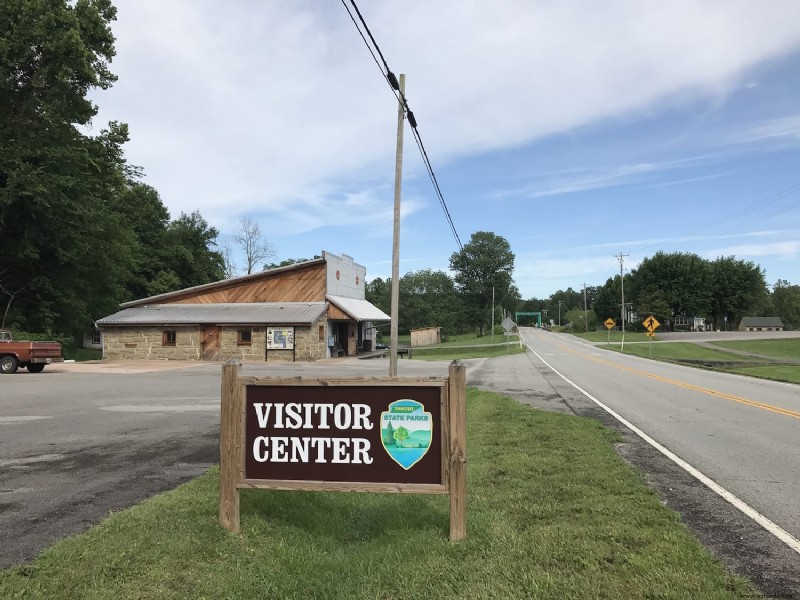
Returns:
(674, 351)
(616, 336)
(553, 512)
(683, 351)
(787, 373)
(454, 352)
(782, 348)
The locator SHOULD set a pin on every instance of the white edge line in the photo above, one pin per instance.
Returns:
(784, 536)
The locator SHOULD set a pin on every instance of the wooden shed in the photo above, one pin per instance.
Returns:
(425, 336)
(306, 311)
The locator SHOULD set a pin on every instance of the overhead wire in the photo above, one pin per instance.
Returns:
(729, 224)
(391, 79)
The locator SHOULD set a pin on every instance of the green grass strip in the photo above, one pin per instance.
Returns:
(782, 348)
(553, 512)
(677, 351)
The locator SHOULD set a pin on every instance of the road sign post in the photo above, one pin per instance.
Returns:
(651, 324)
(609, 323)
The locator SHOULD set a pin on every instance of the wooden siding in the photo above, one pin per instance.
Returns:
(337, 314)
(302, 285)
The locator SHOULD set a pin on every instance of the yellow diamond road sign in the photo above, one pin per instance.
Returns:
(609, 322)
(651, 323)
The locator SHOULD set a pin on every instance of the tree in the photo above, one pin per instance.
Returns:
(581, 320)
(651, 301)
(379, 293)
(428, 298)
(191, 251)
(146, 216)
(682, 280)
(286, 262)
(63, 243)
(484, 263)
(400, 434)
(786, 302)
(608, 299)
(255, 248)
(738, 289)
(388, 435)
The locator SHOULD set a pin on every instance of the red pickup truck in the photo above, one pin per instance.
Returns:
(32, 355)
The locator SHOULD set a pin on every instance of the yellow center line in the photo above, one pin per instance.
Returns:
(688, 386)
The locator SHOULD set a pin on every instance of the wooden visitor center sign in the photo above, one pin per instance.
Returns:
(401, 435)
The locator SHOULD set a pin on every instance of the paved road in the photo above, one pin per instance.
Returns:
(743, 433)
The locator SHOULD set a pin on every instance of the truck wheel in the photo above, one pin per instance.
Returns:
(8, 364)
(35, 368)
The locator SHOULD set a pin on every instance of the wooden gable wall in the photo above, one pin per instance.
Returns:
(337, 314)
(300, 285)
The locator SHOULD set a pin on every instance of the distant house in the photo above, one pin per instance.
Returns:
(684, 323)
(425, 336)
(306, 311)
(761, 324)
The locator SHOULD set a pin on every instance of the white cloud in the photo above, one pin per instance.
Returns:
(783, 250)
(782, 129)
(276, 108)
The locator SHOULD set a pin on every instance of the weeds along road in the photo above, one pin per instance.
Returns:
(742, 433)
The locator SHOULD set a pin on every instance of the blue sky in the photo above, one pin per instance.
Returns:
(575, 131)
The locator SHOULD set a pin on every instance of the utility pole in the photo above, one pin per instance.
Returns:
(398, 178)
(585, 308)
(559, 313)
(493, 314)
(621, 258)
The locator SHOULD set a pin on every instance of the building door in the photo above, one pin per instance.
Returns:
(210, 342)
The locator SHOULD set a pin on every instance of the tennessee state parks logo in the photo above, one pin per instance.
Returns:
(406, 432)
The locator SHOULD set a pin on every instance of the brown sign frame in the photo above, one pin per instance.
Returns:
(452, 427)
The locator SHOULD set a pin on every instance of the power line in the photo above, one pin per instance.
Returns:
(391, 79)
(732, 222)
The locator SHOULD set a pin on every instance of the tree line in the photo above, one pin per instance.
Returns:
(665, 285)
(79, 231)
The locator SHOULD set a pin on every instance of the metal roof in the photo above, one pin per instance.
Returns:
(282, 313)
(360, 310)
(762, 322)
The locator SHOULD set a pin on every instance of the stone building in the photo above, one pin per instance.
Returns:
(304, 312)
(761, 324)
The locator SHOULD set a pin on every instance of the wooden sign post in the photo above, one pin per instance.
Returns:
(381, 434)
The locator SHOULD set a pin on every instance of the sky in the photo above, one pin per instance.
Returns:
(578, 131)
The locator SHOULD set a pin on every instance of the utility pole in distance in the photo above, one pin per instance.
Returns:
(559, 313)
(398, 178)
(621, 258)
(585, 308)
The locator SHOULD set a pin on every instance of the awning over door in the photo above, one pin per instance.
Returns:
(358, 310)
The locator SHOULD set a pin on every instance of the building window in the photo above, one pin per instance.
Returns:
(96, 338)
(245, 337)
(322, 333)
(168, 338)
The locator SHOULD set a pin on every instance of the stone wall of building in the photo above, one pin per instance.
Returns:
(310, 344)
(147, 343)
(230, 348)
